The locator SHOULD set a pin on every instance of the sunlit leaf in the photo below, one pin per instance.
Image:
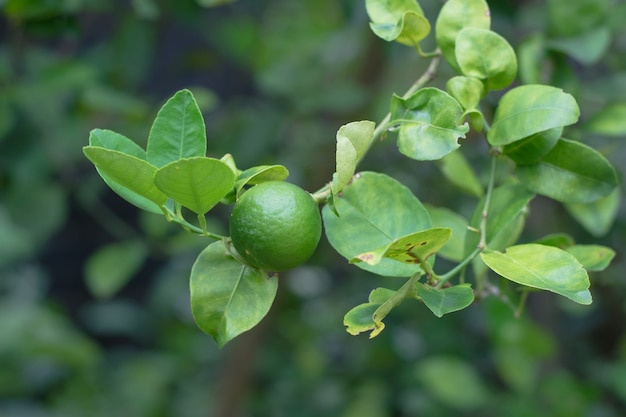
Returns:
(353, 140)
(543, 267)
(414, 248)
(398, 20)
(117, 142)
(483, 54)
(370, 315)
(592, 257)
(130, 172)
(571, 172)
(446, 300)
(429, 122)
(466, 90)
(372, 211)
(227, 297)
(359, 319)
(453, 17)
(530, 109)
(178, 131)
(197, 183)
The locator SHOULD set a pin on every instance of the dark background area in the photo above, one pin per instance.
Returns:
(275, 80)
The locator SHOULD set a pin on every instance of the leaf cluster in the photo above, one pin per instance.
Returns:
(373, 220)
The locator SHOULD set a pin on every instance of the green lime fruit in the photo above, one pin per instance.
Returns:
(275, 226)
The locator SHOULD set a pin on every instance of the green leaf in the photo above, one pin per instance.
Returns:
(117, 142)
(610, 121)
(530, 109)
(531, 149)
(543, 267)
(466, 90)
(592, 257)
(353, 140)
(109, 268)
(429, 124)
(177, 132)
(197, 183)
(133, 174)
(372, 211)
(571, 172)
(392, 302)
(459, 172)
(453, 250)
(453, 17)
(414, 248)
(508, 205)
(446, 300)
(597, 217)
(483, 54)
(586, 48)
(259, 174)
(227, 297)
(370, 315)
(360, 318)
(398, 20)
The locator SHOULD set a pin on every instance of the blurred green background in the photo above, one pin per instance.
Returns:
(94, 298)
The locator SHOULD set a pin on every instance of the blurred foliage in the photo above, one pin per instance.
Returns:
(275, 78)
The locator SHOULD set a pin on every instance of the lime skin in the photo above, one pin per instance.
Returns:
(275, 226)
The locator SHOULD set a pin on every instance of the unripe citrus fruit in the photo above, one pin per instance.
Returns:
(275, 226)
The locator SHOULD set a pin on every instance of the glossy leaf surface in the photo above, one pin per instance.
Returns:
(197, 183)
(466, 90)
(117, 142)
(445, 300)
(543, 267)
(414, 248)
(227, 297)
(132, 173)
(483, 54)
(360, 318)
(353, 140)
(453, 17)
(571, 172)
(398, 20)
(592, 257)
(177, 132)
(429, 123)
(530, 109)
(374, 210)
